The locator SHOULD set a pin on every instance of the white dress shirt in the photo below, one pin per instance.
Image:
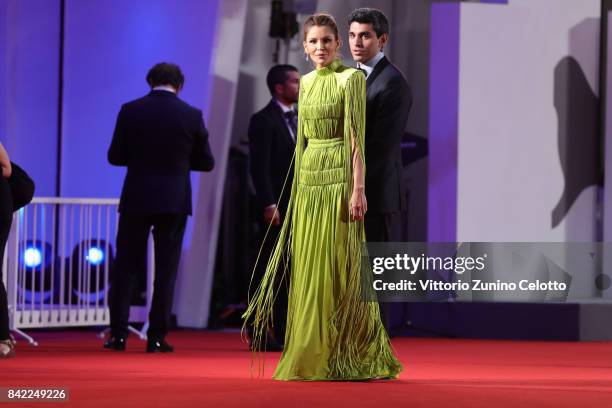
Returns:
(164, 88)
(286, 109)
(368, 66)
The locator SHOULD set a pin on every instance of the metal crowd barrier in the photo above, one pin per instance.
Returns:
(58, 265)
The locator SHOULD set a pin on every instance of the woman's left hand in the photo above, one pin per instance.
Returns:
(359, 204)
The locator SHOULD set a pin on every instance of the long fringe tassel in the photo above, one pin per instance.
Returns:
(260, 309)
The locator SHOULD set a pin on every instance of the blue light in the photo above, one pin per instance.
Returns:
(95, 256)
(32, 257)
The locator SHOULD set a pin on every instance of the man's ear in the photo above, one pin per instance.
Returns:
(278, 89)
(382, 40)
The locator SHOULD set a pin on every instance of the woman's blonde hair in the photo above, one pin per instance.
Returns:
(320, 20)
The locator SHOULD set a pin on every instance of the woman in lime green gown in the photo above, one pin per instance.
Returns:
(331, 334)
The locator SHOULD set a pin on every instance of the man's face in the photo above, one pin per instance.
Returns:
(364, 42)
(290, 89)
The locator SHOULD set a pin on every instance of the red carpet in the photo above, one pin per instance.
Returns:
(211, 369)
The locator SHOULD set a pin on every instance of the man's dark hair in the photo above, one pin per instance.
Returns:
(278, 75)
(367, 15)
(165, 73)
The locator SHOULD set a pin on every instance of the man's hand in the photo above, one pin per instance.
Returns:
(271, 215)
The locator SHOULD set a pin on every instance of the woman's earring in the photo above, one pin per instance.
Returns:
(306, 55)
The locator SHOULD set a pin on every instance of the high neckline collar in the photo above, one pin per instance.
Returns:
(332, 67)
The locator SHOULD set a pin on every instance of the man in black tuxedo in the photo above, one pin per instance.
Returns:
(160, 139)
(388, 103)
(272, 137)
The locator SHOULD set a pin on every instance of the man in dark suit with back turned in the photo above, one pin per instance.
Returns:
(388, 103)
(272, 137)
(160, 139)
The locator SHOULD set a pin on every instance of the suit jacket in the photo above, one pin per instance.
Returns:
(388, 103)
(271, 150)
(160, 139)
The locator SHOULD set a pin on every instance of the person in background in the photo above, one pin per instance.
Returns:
(272, 137)
(7, 345)
(160, 139)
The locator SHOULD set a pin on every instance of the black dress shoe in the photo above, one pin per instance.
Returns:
(115, 343)
(159, 346)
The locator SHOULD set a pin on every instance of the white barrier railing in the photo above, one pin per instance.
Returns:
(59, 260)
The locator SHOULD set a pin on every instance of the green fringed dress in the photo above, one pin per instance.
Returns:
(331, 333)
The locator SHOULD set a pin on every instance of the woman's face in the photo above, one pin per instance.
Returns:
(321, 45)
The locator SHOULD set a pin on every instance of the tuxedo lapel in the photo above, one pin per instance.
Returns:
(378, 68)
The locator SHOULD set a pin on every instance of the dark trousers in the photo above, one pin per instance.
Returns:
(382, 227)
(132, 238)
(280, 305)
(6, 217)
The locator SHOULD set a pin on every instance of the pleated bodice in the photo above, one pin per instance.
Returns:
(322, 111)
